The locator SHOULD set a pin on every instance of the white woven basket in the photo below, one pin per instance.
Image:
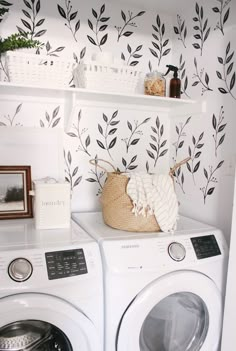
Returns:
(96, 76)
(40, 70)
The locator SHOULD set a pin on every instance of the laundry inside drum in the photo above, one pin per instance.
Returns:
(32, 335)
(179, 322)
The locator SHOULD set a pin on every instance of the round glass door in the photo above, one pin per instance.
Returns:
(178, 322)
(40, 322)
(33, 335)
(180, 311)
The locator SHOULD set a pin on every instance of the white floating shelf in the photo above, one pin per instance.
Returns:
(76, 96)
(31, 90)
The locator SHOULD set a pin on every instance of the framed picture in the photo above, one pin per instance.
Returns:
(15, 184)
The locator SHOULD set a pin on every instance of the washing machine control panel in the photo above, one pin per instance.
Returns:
(205, 246)
(68, 263)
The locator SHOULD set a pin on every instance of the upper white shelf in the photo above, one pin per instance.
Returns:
(74, 96)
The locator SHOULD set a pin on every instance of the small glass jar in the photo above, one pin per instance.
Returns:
(155, 84)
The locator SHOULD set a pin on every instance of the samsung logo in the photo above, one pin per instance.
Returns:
(135, 246)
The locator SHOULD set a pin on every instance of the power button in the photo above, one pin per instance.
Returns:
(20, 269)
(177, 251)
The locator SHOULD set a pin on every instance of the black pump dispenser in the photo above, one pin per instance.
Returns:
(175, 82)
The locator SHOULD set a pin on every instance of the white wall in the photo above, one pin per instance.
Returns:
(87, 182)
(229, 335)
(216, 207)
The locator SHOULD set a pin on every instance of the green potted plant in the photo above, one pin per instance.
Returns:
(30, 68)
(15, 42)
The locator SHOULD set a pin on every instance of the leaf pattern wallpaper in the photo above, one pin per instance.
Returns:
(201, 77)
(200, 42)
(178, 144)
(160, 44)
(32, 22)
(128, 20)
(132, 54)
(206, 64)
(228, 75)
(223, 11)
(108, 130)
(157, 146)
(71, 22)
(98, 26)
(183, 76)
(135, 133)
(11, 120)
(81, 134)
(181, 30)
(201, 28)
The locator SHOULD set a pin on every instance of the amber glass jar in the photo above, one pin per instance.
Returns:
(155, 84)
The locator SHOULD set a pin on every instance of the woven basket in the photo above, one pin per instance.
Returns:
(40, 70)
(117, 205)
(96, 76)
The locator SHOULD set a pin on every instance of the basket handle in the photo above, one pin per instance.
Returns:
(94, 162)
(177, 165)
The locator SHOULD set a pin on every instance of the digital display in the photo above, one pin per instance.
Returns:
(63, 264)
(69, 253)
(205, 246)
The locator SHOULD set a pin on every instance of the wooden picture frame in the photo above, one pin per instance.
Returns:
(15, 184)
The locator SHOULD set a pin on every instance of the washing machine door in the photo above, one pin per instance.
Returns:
(41, 322)
(181, 311)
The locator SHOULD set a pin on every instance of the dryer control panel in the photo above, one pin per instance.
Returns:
(62, 264)
(205, 246)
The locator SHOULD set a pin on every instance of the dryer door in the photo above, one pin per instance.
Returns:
(42, 322)
(181, 311)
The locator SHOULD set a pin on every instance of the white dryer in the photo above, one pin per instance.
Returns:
(51, 289)
(162, 292)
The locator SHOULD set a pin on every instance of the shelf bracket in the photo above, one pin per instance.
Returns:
(69, 110)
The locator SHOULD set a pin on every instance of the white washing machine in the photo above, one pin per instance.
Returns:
(51, 289)
(162, 292)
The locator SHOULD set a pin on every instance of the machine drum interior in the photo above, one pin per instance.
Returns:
(33, 336)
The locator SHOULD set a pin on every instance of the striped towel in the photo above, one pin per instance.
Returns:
(154, 194)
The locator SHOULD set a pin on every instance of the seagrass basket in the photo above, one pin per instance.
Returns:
(117, 205)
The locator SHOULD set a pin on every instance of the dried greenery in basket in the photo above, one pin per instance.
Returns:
(17, 41)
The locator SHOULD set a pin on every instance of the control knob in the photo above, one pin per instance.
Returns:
(20, 269)
(177, 251)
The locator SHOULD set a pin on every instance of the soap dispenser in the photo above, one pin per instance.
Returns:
(175, 82)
